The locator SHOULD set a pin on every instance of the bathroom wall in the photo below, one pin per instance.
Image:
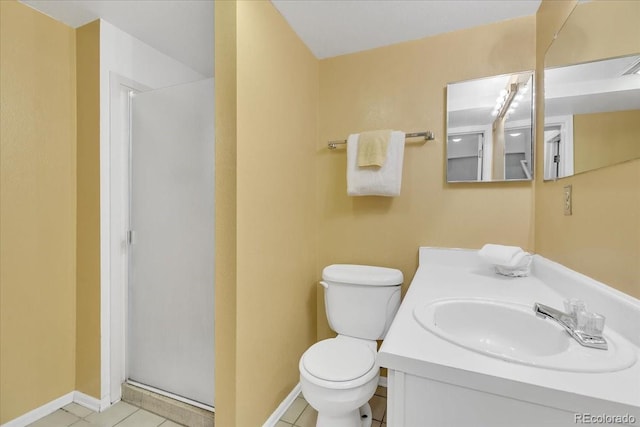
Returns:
(268, 182)
(605, 139)
(602, 237)
(88, 214)
(37, 209)
(225, 69)
(403, 86)
(592, 32)
(52, 319)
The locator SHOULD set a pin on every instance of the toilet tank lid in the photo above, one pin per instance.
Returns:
(365, 275)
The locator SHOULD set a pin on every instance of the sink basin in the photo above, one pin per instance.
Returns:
(512, 332)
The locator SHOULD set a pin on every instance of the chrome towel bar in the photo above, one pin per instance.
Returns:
(427, 135)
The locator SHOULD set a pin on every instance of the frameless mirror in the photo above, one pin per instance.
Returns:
(592, 90)
(490, 129)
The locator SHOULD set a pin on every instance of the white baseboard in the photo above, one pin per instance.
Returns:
(87, 401)
(42, 411)
(282, 408)
(48, 408)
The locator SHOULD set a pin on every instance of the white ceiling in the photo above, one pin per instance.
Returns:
(183, 29)
(336, 27)
(593, 87)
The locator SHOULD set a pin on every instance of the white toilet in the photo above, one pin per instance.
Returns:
(339, 375)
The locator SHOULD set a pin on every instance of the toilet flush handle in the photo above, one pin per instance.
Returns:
(324, 284)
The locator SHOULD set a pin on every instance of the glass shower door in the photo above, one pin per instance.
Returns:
(171, 265)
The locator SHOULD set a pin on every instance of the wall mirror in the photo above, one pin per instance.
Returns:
(490, 127)
(592, 90)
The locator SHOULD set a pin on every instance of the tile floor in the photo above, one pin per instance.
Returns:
(301, 414)
(119, 415)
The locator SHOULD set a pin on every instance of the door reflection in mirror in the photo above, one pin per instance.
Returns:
(595, 108)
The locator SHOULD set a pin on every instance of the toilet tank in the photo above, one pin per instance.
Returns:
(360, 300)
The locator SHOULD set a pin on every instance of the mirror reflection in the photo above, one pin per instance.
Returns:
(490, 129)
(592, 90)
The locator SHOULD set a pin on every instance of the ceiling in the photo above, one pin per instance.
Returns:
(336, 27)
(183, 29)
(593, 87)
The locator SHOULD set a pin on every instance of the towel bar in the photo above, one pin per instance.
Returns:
(428, 136)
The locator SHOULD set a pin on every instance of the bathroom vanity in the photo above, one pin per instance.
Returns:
(466, 349)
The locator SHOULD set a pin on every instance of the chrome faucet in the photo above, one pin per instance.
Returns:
(569, 324)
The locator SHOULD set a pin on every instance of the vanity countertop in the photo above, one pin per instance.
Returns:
(459, 273)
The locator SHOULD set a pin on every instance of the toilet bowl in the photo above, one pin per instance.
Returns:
(338, 376)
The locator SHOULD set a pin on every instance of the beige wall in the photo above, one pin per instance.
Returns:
(604, 139)
(597, 29)
(37, 210)
(602, 237)
(403, 86)
(88, 214)
(225, 205)
(271, 163)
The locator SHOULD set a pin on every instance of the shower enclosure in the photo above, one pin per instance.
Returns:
(170, 316)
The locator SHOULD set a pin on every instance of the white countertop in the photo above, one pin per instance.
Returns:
(450, 273)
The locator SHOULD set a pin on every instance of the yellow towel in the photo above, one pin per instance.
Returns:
(372, 147)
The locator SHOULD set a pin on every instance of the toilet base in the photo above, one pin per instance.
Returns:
(362, 417)
(366, 415)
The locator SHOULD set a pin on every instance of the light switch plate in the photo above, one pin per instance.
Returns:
(567, 200)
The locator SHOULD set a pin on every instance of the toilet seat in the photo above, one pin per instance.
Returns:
(338, 360)
(339, 363)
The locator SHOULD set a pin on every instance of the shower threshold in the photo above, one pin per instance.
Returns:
(175, 408)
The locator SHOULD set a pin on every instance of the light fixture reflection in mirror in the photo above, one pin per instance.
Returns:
(490, 129)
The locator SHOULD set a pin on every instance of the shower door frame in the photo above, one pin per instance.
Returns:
(114, 372)
(120, 89)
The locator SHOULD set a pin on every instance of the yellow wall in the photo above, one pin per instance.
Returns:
(37, 209)
(271, 163)
(88, 220)
(604, 139)
(597, 29)
(403, 86)
(225, 205)
(602, 237)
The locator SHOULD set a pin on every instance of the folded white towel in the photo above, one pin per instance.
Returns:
(383, 181)
(506, 256)
(522, 269)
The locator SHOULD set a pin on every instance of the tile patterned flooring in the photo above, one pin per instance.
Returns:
(301, 414)
(119, 415)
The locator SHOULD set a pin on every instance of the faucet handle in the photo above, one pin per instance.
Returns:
(591, 323)
(573, 306)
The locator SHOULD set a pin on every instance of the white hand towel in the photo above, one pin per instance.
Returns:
(506, 256)
(522, 269)
(383, 181)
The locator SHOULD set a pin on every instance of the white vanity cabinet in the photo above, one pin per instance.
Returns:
(435, 382)
(414, 401)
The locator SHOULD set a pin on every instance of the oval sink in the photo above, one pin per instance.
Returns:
(512, 332)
